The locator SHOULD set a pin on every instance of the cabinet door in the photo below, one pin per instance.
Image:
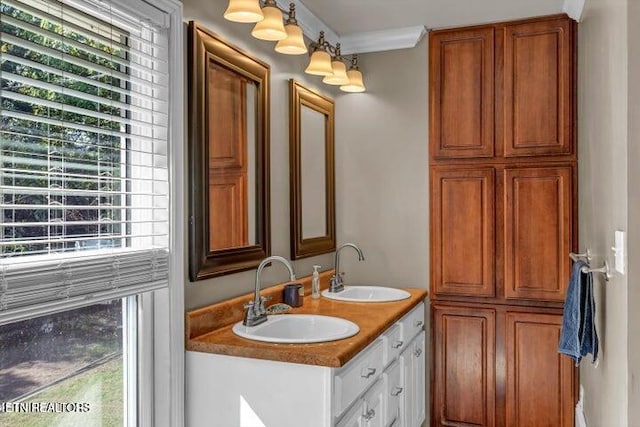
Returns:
(418, 380)
(394, 389)
(374, 402)
(464, 366)
(353, 418)
(539, 388)
(538, 88)
(461, 93)
(538, 209)
(463, 245)
(412, 366)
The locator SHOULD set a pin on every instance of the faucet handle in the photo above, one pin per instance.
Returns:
(248, 305)
(264, 299)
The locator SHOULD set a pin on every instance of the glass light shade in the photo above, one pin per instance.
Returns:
(319, 64)
(271, 27)
(339, 75)
(246, 11)
(294, 43)
(355, 82)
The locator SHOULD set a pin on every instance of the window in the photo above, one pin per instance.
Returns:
(84, 192)
(68, 368)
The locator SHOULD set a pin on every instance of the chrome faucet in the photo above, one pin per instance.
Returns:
(335, 284)
(256, 313)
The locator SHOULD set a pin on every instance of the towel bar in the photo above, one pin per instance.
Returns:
(586, 256)
(604, 270)
(587, 269)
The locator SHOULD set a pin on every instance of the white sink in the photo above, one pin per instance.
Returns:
(298, 329)
(367, 294)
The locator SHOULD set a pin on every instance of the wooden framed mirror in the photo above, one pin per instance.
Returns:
(312, 179)
(228, 157)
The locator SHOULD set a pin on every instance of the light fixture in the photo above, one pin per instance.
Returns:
(271, 27)
(339, 70)
(294, 43)
(325, 59)
(320, 62)
(245, 11)
(355, 78)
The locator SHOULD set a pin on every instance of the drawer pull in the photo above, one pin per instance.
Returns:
(397, 344)
(419, 323)
(418, 352)
(369, 415)
(396, 391)
(368, 372)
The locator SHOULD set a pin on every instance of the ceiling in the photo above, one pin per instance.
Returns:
(357, 16)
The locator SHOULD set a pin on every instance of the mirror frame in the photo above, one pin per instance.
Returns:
(205, 46)
(299, 96)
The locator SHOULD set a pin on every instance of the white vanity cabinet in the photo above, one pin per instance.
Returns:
(382, 386)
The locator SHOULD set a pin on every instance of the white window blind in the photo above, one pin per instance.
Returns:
(84, 192)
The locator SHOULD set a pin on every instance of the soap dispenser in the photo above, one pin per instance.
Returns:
(315, 283)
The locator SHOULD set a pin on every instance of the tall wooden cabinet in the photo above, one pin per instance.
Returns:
(503, 221)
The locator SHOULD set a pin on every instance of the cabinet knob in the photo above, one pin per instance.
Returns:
(366, 373)
(419, 323)
(418, 352)
(397, 344)
(369, 415)
(396, 391)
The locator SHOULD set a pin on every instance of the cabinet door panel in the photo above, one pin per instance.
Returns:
(537, 232)
(464, 361)
(462, 95)
(463, 217)
(539, 379)
(538, 103)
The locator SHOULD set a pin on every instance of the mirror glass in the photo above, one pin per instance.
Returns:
(228, 157)
(312, 172)
(232, 152)
(313, 176)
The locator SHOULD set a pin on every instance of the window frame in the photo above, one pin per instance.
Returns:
(165, 351)
(159, 361)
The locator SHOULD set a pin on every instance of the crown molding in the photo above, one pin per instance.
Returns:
(574, 9)
(378, 41)
(371, 41)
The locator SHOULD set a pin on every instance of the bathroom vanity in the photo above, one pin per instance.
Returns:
(375, 378)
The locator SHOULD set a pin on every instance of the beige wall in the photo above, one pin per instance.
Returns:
(382, 171)
(283, 67)
(602, 153)
(633, 335)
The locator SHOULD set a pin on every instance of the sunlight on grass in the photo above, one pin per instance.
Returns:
(101, 388)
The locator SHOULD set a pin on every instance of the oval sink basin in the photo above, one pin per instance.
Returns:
(367, 294)
(298, 329)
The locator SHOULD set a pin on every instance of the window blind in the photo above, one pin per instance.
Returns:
(84, 192)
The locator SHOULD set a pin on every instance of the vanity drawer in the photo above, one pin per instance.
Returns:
(357, 375)
(412, 323)
(393, 343)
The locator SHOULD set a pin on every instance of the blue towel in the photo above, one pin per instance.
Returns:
(578, 336)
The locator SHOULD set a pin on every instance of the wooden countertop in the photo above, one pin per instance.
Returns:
(208, 329)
